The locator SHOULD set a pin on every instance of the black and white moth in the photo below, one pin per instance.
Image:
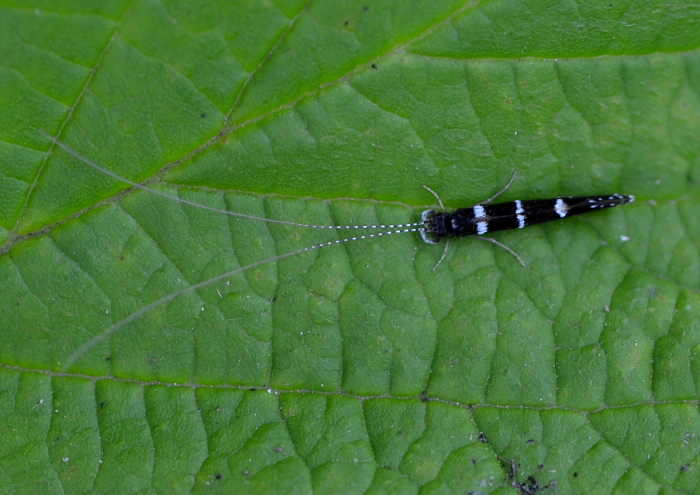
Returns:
(482, 219)
(473, 221)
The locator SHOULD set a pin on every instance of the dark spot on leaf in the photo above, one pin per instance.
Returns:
(347, 22)
(684, 467)
(400, 432)
(482, 437)
(424, 396)
(102, 404)
(121, 258)
(531, 486)
(152, 359)
(218, 476)
(203, 115)
(374, 66)
(575, 474)
(473, 461)
(218, 408)
(108, 358)
(365, 8)
(530, 440)
(540, 466)
(57, 439)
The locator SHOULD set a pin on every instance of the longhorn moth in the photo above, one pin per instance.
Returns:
(473, 221)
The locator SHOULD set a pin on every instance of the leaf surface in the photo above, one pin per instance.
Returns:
(142, 351)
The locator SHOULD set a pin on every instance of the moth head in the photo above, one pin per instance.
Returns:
(431, 227)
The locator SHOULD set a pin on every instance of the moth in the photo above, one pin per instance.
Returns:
(483, 218)
(434, 227)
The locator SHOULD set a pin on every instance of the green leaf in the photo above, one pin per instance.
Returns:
(148, 346)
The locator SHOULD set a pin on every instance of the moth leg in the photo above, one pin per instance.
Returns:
(494, 241)
(427, 239)
(505, 188)
(444, 253)
(436, 196)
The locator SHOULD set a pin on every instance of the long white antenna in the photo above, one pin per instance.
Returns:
(94, 165)
(399, 229)
(97, 339)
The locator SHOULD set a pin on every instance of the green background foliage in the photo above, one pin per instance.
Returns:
(128, 364)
